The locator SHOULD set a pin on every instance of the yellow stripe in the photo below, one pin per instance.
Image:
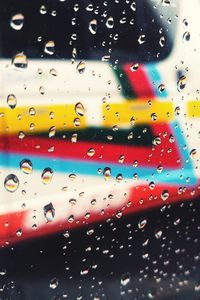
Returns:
(193, 109)
(121, 114)
(19, 118)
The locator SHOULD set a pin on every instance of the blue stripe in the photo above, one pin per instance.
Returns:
(90, 168)
(155, 79)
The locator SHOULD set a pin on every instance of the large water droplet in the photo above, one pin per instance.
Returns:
(158, 233)
(107, 173)
(49, 212)
(26, 166)
(11, 183)
(49, 47)
(91, 152)
(47, 175)
(93, 26)
(12, 101)
(141, 39)
(19, 61)
(165, 195)
(17, 21)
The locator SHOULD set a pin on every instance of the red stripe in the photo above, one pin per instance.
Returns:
(103, 152)
(139, 82)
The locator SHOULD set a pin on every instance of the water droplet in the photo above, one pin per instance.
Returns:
(19, 61)
(154, 117)
(156, 141)
(12, 101)
(42, 90)
(49, 47)
(119, 178)
(133, 6)
(84, 271)
(77, 122)
(43, 10)
(107, 173)
(47, 175)
(32, 111)
(17, 21)
(186, 36)
(158, 233)
(125, 279)
(181, 83)
(19, 232)
(21, 135)
(171, 139)
(142, 223)
(52, 131)
(162, 41)
(159, 168)
(26, 166)
(161, 88)
(72, 176)
(11, 183)
(81, 67)
(53, 284)
(74, 138)
(110, 22)
(177, 110)
(91, 152)
(141, 39)
(93, 26)
(53, 72)
(134, 67)
(193, 153)
(152, 185)
(165, 195)
(121, 159)
(49, 212)
(79, 109)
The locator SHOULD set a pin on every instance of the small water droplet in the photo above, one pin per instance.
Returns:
(17, 21)
(53, 284)
(107, 173)
(161, 88)
(43, 10)
(77, 122)
(93, 26)
(154, 117)
(11, 183)
(134, 67)
(162, 41)
(125, 279)
(19, 232)
(142, 223)
(193, 153)
(79, 109)
(42, 90)
(32, 111)
(11, 101)
(26, 166)
(186, 37)
(52, 131)
(49, 212)
(53, 72)
(47, 175)
(91, 152)
(81, 67)
(165, 195)
(19, 61)
(49, 47)
(181, 83)
(141, 39)
(133, 6)
(158, 233)
(110, 22)
(156, 141)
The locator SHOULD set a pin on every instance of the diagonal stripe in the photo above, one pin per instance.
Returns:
(139, 82)
(155, 79)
